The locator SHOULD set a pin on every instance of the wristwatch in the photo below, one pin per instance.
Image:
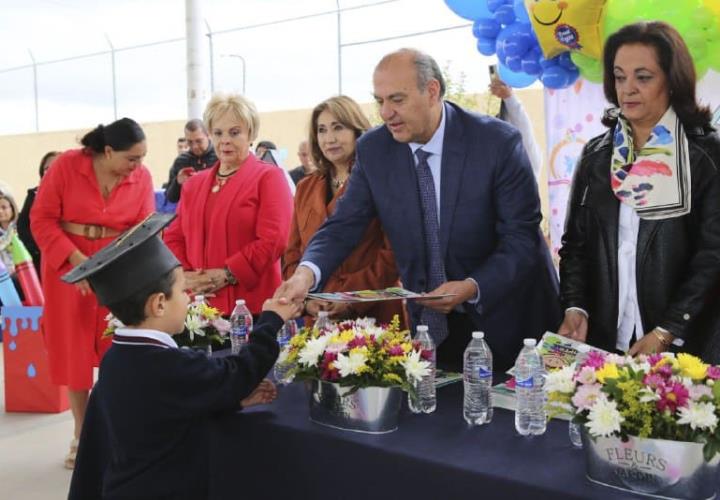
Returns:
(230, 277)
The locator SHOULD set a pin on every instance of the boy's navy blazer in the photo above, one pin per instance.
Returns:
(489, 223)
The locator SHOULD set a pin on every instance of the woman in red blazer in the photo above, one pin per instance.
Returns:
(335, 125)
(233, 219)
(86, 199)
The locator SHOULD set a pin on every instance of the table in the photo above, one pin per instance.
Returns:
(277, 452)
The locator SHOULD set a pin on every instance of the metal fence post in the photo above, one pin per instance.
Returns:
(114, 84)
(35, 91)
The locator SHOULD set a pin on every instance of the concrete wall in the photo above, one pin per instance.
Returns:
(22, 153)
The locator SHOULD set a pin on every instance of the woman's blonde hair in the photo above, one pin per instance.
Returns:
(243, 109)
(347, 112)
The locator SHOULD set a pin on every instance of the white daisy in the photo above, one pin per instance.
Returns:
(194, 325)
(604, 419)
(351, 364)
(415, 368)
(561, 380)
(698, 416)
(314, 348)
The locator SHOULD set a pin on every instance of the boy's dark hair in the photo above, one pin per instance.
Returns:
(131, 311)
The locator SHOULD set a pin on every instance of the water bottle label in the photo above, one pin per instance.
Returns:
(239, 331)
(526, 383)
(483, 372)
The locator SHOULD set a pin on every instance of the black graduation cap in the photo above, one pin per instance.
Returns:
(133, 260)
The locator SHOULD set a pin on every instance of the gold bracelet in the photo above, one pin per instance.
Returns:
(663, 340)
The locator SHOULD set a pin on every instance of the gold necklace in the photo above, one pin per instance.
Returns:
(221, 180)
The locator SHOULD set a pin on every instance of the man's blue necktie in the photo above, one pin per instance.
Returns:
(434, 265)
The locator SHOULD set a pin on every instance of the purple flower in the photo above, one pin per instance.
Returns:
(654, 359)
(357, 342)
(713, 372)
(594, 359)
(653, 380)
(672, 396)
(396, 350)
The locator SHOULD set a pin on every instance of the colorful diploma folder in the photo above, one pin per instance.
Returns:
(393, 293)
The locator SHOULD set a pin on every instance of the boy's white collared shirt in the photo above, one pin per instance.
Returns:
(137, 334)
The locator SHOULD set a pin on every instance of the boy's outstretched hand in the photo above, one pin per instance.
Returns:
(263, 394)
(283, 308)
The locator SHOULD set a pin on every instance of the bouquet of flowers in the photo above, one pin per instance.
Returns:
(357, 353)
(660, 396)
(204, 326)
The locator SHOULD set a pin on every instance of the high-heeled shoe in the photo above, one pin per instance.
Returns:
(69, 462)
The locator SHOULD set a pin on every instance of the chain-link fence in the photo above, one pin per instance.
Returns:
(285, 63)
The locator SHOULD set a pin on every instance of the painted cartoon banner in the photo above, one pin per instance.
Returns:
(572, 118)
(27, 377)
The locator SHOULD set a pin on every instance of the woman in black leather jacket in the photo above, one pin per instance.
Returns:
(640, 261)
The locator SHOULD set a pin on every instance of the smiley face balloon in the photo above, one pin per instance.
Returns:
(567, 25)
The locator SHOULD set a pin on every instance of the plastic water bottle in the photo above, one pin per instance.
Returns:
(288, 331)
(426, 396)
(530, 416)
(241, 323)
(323, 321)
(477, 381)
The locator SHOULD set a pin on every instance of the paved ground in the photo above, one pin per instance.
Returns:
(32, 448)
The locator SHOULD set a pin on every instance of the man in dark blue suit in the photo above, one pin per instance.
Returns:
(457, 198)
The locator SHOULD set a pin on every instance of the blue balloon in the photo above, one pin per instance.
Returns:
(557, 77)
(521, 13)
(531, 62)
(493, 5)
(486, 46)
(565, 61)
(505, 14)
(486, 27)
(515, 39)
(515, 79)
(469, 9)
(514, 63)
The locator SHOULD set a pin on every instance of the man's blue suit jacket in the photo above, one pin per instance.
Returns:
(489, 224)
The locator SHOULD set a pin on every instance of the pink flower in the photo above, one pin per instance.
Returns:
(594, 360)
(222, 326)
(396, 350)
(672, 396)
(326, 371)
(713, 372)
(510, 384)
(698, 391)
(426, 354)
(586, 375)
(357, 342)
(586, 396)
(653, 380)
(654, 359)
(664, 370)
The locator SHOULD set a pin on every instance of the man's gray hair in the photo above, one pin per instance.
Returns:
(427, 69)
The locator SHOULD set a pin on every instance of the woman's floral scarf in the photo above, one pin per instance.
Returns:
(655, 180)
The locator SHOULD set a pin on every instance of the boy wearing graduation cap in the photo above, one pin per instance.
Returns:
(145, 430)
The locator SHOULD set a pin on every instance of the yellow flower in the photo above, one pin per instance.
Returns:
(609, 370)
(407, 346)
(208, 312)
(692, 367)
(392, 378)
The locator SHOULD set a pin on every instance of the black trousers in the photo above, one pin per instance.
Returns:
(450, 352)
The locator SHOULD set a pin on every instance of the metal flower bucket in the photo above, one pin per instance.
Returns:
(373, 410)
(652, 467)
